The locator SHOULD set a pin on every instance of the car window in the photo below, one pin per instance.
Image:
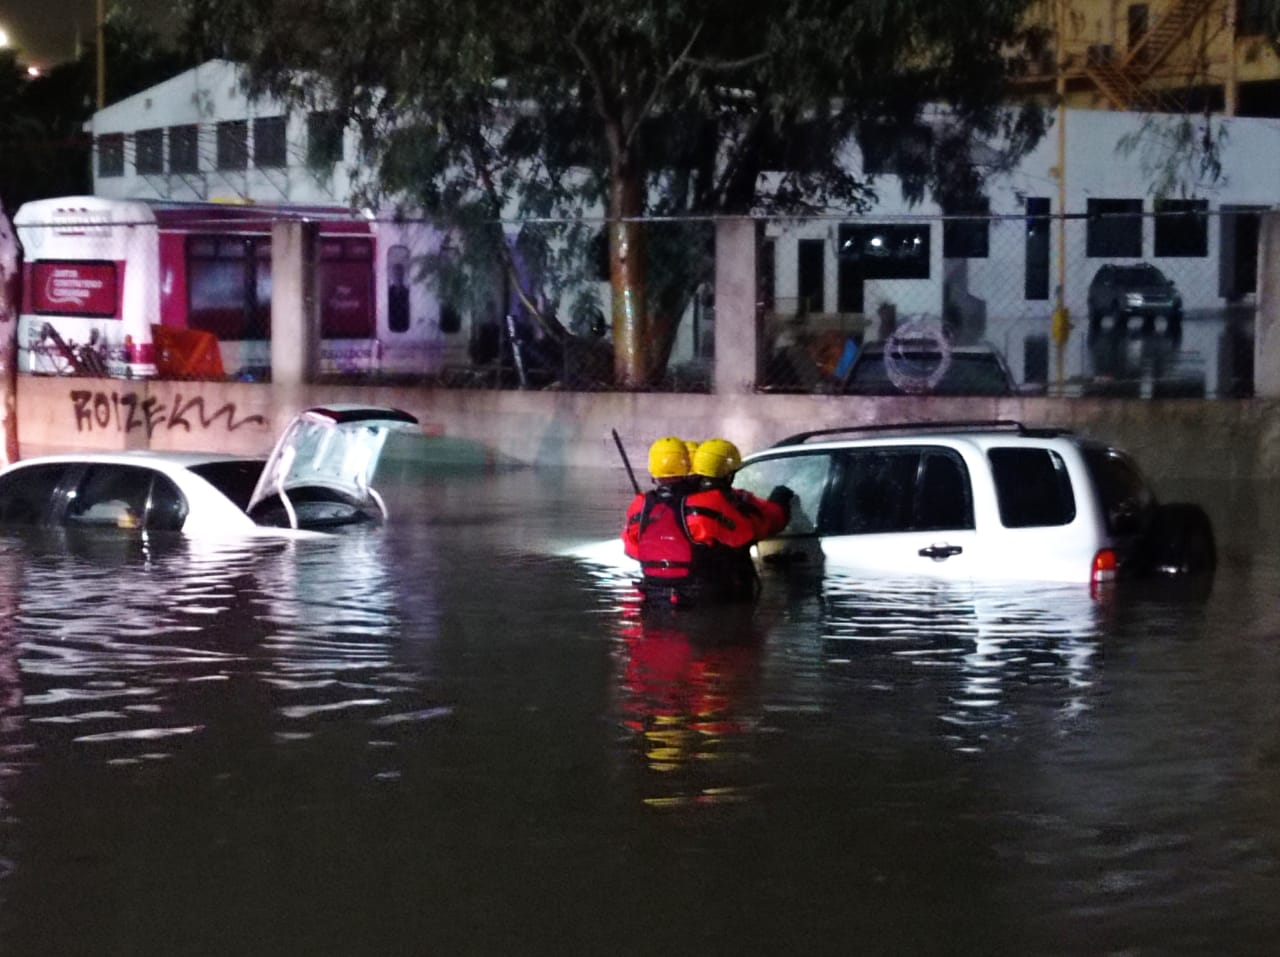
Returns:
(26, 493)
(125, 496)
(943, 497)
(965, 373)
(805, 474)
(1032, 487)
(899, 490)
(1126, 499)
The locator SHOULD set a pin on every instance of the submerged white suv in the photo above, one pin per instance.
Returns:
(965, 501)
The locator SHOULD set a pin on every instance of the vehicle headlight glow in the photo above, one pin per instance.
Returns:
(1133, 299)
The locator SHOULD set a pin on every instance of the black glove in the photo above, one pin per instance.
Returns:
(782, 495)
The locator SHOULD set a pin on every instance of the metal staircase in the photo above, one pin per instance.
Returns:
(1123, 82)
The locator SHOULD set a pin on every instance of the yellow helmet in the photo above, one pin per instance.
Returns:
(668, 458)
(716, 458)
(692, 448)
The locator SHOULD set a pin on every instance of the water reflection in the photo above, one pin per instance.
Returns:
(690, 696)
(133, 643)
(982, 650)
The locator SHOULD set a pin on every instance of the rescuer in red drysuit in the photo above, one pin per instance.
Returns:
(655, 535)
(728, 521)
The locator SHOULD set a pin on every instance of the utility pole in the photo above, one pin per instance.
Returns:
(1060, 326)
(102, 55)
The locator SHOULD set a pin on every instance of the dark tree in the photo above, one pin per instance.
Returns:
(483, 111)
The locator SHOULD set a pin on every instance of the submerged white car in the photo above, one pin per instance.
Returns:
(317, 478)
(974, 501)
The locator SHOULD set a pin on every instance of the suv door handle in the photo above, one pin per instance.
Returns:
(940, 553)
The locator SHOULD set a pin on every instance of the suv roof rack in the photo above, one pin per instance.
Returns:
(970, 425)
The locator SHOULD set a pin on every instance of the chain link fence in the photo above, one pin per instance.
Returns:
(1112, 302)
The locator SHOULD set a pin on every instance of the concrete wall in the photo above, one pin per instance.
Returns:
(1186, 439)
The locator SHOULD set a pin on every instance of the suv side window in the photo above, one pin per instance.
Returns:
(26, 494)
(1126, 499)
(943, 499)
(899, 490)
(805, 474)
(1032, 487)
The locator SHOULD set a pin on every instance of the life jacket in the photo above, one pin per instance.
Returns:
(662, 542)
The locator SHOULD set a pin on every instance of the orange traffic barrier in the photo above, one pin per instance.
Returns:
(186, 353)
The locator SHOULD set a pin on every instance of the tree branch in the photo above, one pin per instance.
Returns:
(659, 85)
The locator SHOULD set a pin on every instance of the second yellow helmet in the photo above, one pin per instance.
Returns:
(716, 458)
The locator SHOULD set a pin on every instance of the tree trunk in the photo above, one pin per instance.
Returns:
(8, 339)
(632, 362)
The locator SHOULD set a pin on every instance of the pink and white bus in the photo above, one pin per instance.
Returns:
(99, 274)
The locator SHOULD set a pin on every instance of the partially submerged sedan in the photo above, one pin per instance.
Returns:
(317, 478)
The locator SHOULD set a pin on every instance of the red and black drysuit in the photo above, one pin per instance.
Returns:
(676, 567)
(728, 521)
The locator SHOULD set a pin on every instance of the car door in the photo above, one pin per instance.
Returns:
(900, 511)
(808, 475)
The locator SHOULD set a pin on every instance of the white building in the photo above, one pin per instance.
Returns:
(198, 137)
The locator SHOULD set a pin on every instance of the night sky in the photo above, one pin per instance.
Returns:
(44, 31)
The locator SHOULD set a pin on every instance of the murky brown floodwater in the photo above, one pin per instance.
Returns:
(446, 738)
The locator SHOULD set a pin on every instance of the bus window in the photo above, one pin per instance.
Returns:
(223, 286)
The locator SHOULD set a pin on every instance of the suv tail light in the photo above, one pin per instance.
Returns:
(1104, 566)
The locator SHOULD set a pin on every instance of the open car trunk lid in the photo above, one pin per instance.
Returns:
(319, 474)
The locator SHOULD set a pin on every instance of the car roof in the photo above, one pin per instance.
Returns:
(144, 457)
(981, 432)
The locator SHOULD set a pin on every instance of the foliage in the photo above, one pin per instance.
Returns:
(1180, 154)
(549, 112)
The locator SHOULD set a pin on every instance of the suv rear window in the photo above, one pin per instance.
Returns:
(1032, 487)
(1126, 499)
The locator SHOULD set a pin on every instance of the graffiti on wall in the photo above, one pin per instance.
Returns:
(129, 412)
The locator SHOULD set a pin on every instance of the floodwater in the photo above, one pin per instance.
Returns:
(447, 737)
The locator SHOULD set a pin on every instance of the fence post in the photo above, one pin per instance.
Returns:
(9, 307)
(1266, 338)
(737, 337)
(295, 314)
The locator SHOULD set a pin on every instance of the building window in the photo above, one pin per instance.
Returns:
(1182, 227)
(184, 149)
(1036, 273)
(111, 154)
(150, 151)
(324, 139)
(269, 142)
(886, 251)
(233, 146)
(811, 275)
(1115, 228)
(967, 238)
